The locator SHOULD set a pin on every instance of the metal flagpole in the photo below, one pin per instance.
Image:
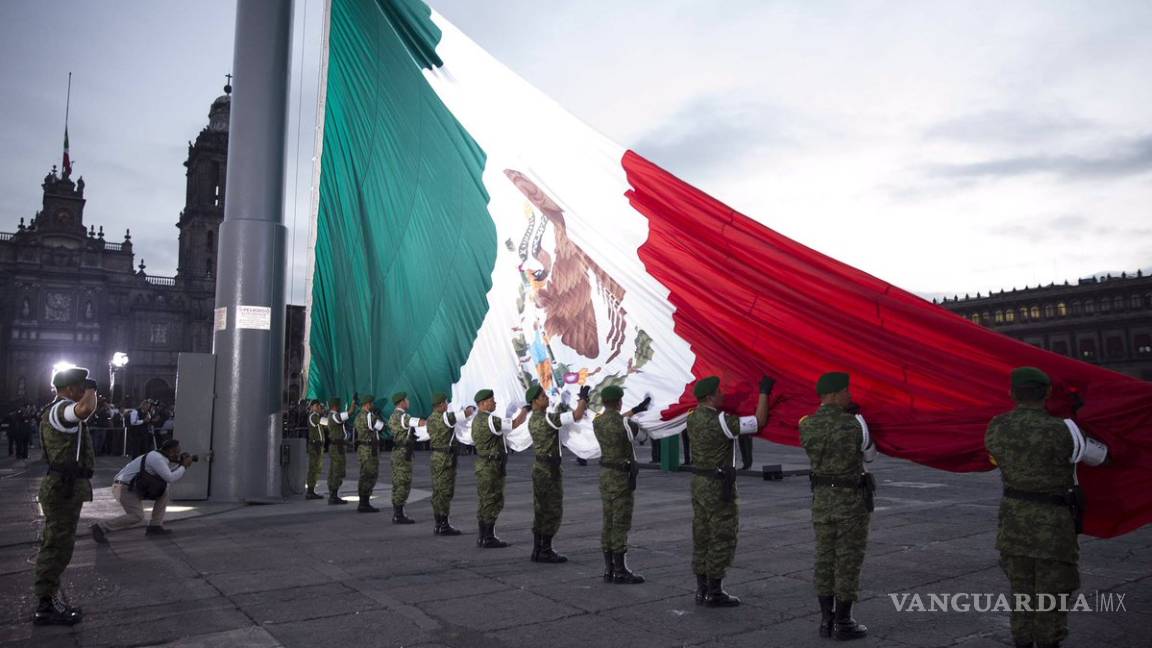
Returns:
(249, 334)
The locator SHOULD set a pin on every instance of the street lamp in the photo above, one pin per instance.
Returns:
(115, 366)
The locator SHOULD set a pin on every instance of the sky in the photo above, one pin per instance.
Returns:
(948, 148)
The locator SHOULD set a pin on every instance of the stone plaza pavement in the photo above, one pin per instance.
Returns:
(308, 574)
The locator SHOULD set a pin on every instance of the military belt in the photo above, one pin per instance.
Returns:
(622, 466)
(448, 450)
(493, 457)
(548, 460)
(1042, 498)
(71, 472)
(717, 472)
(836, 482)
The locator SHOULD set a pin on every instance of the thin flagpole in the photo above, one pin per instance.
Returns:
(67, 102)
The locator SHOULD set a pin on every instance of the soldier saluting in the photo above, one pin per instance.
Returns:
(615, 432)
(368, 427)
(491, 465)
(715, 512)
(63, 491)
(402, 424)
(337, 458)
(547, 478)
(1040, 513)
(838, 444)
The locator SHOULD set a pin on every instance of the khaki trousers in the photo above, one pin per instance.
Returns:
(134, 509)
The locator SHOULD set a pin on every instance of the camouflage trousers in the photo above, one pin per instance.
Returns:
(61, 515)
(369, 469)
(443, 481)
(489, 490)
(617, 500)
(715, 524)
(337, 467)
(1031, 576)
(315, 463)
(840, 548)
(547, 498)
(401, 477)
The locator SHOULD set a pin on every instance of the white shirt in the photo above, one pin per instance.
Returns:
(156, 464)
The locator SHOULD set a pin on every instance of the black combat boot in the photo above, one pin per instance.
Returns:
(717, 597)
(53, 611)
(334, 499)
(366, 506)
(846, 627)
(490, 541)
(701, 588)
(310, 494)
(481, 533)
(446, 528)
(621, 573)
(439, 523)
(826, 615)
(535, 557)
(608, 567)
(547, 554)
(398, 516)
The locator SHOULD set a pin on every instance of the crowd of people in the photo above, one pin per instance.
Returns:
(128, 429)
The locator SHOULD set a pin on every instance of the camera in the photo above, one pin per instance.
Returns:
(185, 455)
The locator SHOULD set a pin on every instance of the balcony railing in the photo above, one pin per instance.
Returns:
(160, 281)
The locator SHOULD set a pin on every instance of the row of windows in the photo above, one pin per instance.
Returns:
(1086, 348)
(1075, 308)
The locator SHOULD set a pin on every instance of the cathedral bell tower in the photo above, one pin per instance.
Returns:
(207, 169)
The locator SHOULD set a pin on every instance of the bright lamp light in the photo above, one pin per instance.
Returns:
(119, 359)
(61, 366)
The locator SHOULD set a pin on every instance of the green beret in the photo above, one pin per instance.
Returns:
(69, 376)
(483, 395)
(439, 397)
(335, 402)
(367, 398)
(533, 392)
(831, 382)
(612, 393)
(1022, 376)
(399, 396)
(705, 387)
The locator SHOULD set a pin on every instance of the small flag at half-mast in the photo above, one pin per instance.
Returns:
(66, 165)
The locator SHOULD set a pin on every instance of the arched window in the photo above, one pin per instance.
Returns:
(1009, 315)
(1076, 309)
(1049, 310)
(1023, 314)
(1117, 303)
(999, 317)
(1143, 344)
(1034, 312)
(1105, 305)
(1088, 349)
(1135, 302)
(976, 317)
(1062, 309)
(1089, 307)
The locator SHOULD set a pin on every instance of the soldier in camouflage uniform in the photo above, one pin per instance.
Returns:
(403, 426)
(547, 478)
(333, 425)
(715, 512)
(1037, 538)
(315, 448)
(491, 465)
(368, 427)
(71, 459)
(618, 467)
(838, 444)
(442, 439)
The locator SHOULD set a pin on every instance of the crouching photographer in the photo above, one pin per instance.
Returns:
(145, 478)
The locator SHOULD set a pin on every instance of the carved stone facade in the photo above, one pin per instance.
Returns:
(68, 294)
(1102, 320)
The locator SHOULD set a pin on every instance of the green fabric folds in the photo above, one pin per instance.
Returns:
(405, 246)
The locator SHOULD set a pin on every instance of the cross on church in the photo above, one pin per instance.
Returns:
(228, 85)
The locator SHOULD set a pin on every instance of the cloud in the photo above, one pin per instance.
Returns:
(711, 134)
(1130, 158)
(1007, 126)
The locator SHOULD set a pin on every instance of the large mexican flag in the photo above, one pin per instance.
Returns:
(470, 233)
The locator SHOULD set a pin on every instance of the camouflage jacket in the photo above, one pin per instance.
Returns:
(442, 430)
(487, 443)
(335, 428)
(545, 430)
(710, 446)
(833, 439)
(1034, 452)
(365, 435)
(400, 424)
(61, 449)
(612, 434)
(315, 431)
